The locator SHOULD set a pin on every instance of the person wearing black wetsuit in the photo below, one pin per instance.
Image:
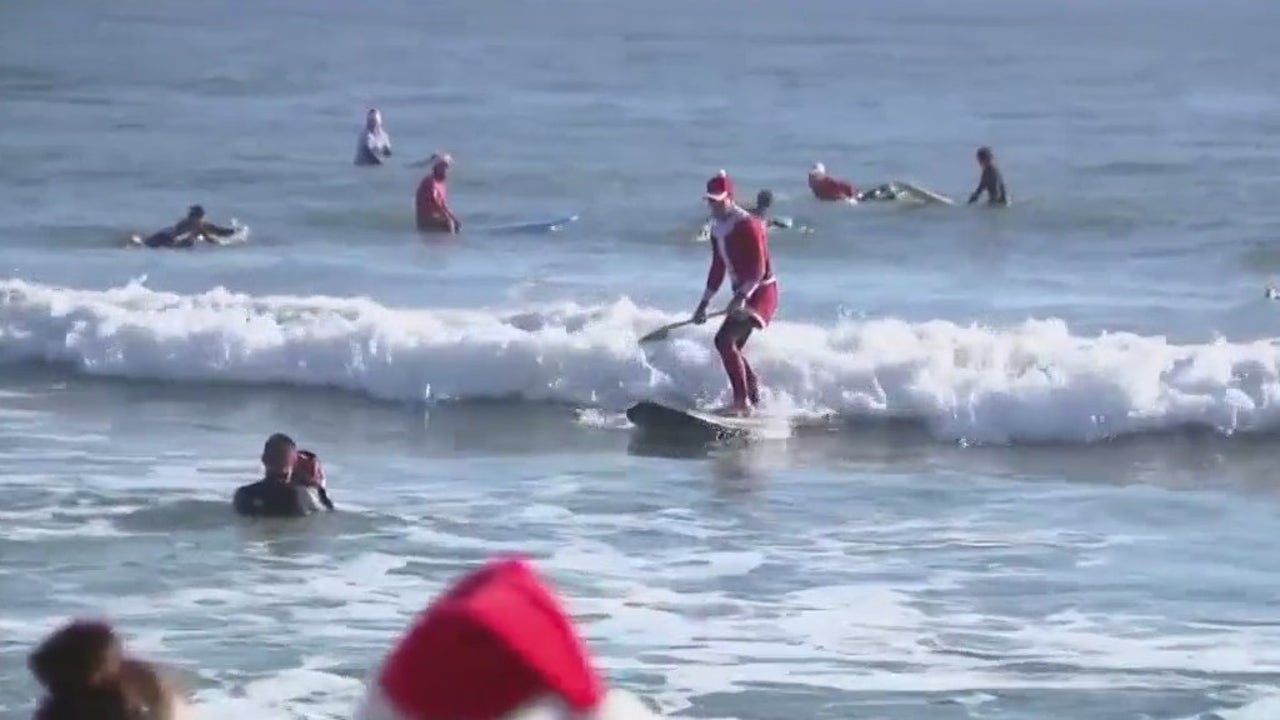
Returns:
(188, 230)
(883, 191)
(991, 182)
(277, 494)
(764, 201)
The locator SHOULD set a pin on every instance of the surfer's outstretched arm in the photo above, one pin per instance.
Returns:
(218, 230)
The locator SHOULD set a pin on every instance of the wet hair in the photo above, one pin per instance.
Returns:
(195, 211)
(764, 197)
(275, 448)
(984, 153)
(86, 676)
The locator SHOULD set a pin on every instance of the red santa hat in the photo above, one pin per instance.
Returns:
(719, 187)
(496, 646)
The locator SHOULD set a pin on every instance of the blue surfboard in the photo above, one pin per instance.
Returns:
(530, 228)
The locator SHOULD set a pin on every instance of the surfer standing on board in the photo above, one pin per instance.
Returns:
(740, 247)
(431, 202)
(992, 182)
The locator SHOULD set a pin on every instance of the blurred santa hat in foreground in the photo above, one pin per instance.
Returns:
(496, 646)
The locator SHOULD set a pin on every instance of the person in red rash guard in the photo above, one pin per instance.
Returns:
(431, 201)
(827, 187)
(739, 248)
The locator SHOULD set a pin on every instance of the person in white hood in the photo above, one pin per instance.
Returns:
(374, 144)
(495, 646)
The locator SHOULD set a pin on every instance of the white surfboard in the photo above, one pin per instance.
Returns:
(536, 226)
(922, 194)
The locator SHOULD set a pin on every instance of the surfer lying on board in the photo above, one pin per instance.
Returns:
(991, 182)
(828, 187)
(188, 231)
(739, 247)
(431, 202)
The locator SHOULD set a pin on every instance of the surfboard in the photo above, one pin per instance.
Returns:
(921, 194)
(788, 224)
(536, 226)
(694, 424)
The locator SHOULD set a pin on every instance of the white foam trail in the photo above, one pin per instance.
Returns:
(1034, 381)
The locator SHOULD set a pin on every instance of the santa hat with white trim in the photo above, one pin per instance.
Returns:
(496, 646)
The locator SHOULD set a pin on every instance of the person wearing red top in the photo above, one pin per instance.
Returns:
(740, 249)
(828, 187)
(433, 213)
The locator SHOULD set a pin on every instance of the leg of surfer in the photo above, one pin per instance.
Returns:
(753, 385)
(759, 309)
(730, 338)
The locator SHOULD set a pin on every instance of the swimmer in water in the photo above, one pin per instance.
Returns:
(188, 231)
(764, 201)
(991, 182)
(374, 143)
(431, 202)
(279, 494)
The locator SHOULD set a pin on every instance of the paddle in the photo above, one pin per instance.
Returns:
(662, 332)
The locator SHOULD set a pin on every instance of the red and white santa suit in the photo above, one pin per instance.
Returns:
(826, 187)
(496, 646)
(740, 249)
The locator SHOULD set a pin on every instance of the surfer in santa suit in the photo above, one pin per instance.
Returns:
(740, 249)
(431, 203)
(825, 186)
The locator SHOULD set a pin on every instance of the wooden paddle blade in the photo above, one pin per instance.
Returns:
(662, 332)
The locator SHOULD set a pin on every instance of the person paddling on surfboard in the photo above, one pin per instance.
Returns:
(187, 231)
(991, 182)
(830, 188)
(374, 143)
(740, 248)
(433, 213)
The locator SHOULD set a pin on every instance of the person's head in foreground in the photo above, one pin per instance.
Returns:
(496, 646)
(87, 676)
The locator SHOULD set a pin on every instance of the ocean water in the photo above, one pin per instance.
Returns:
(1036, 476)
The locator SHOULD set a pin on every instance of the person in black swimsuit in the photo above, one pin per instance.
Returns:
(188, 230)
(764, 201)
(992, 182)
(292, 486)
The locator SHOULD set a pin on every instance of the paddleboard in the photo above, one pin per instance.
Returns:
(921, 194)
(694, 424)
(536, 226)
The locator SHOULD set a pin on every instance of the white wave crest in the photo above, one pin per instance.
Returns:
(1031, 382)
